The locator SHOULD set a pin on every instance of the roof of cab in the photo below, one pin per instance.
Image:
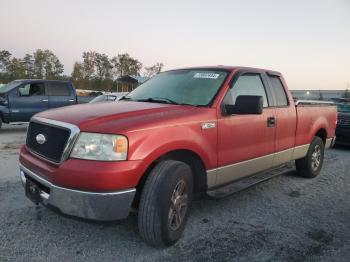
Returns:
(41, 80)
(229, 68)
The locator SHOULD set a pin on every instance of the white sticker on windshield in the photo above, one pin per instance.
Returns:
(206, 75)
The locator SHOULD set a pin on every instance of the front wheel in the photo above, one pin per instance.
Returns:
(310, 166)
(165, 203)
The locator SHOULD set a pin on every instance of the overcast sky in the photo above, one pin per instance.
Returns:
(308, 41)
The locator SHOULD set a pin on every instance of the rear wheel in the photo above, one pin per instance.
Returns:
(165, 203)
(310, 166)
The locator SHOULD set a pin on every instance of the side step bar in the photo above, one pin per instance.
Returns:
(247, 182)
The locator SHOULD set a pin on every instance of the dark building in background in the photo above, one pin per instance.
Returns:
(129, 82)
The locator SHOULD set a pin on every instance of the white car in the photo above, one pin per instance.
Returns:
(108, 97)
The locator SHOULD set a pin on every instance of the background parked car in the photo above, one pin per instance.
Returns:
(108, 97)
(343, 127)
(21, 99)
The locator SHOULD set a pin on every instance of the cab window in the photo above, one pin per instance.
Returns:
(58, 89)
(248, 84)
(32, 89)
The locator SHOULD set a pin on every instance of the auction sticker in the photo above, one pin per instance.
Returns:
(206, 75)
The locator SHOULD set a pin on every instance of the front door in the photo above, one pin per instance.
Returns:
(29, 100)
(246, 143)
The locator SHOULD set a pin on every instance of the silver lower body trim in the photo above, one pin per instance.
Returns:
(106, 206)
(330, 142)
(230, 173)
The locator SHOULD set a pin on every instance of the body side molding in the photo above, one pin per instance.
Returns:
(226, 174)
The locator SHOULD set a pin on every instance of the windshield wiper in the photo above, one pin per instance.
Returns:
(126, 98)
(159, 100)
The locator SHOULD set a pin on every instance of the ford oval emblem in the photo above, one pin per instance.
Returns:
(41, 139)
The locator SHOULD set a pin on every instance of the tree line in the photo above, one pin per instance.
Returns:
(95, 71)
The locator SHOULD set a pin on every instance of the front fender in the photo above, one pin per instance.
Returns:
(4, 113)
(149, 145)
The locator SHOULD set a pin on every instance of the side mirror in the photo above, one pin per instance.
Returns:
(246, 105)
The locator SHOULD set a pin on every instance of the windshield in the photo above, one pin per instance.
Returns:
(9, 86)
(188, 86)
(344, 108)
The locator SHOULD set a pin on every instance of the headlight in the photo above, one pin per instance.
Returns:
(101, 147)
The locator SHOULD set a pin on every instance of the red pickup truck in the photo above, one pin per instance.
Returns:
(180, 134)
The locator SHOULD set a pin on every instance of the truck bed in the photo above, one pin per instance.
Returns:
(310, 116)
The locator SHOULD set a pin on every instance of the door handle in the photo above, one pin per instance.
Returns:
(271, 121)
(45, 100)
(71, 100)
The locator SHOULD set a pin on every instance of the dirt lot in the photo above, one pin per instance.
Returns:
(284, 219)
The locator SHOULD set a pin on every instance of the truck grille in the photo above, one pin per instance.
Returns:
(343, 120)
(56, 140)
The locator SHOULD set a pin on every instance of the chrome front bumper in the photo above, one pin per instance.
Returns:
(106, 206)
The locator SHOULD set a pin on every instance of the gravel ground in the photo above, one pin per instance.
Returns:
(284, 219)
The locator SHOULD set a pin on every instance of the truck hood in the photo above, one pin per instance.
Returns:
(112, 117)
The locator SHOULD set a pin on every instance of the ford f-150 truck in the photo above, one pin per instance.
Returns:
(180, 134)
(21, 99)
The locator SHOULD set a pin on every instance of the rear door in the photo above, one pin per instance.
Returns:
(286, 120)
(60, 94)
(246, 143)
(30, 98)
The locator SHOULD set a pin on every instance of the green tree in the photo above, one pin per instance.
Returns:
(153, 70)
(103, 66)
(94, 72)
(16, 69)
(46, 65)
(77, 73)
(97, 70)
(42, 64)
(53, 66)
(124, 64)
(28, 63)
(88, 64)
(5, 60)
(38, 64)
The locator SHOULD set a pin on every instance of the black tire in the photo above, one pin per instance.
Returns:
(156, 208)
(0, 122)
(311, 165)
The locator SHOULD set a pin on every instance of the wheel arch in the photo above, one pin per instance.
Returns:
(184, 155)
(322, 133)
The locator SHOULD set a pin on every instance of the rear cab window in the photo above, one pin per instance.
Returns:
(58, 89)
(278, 91)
